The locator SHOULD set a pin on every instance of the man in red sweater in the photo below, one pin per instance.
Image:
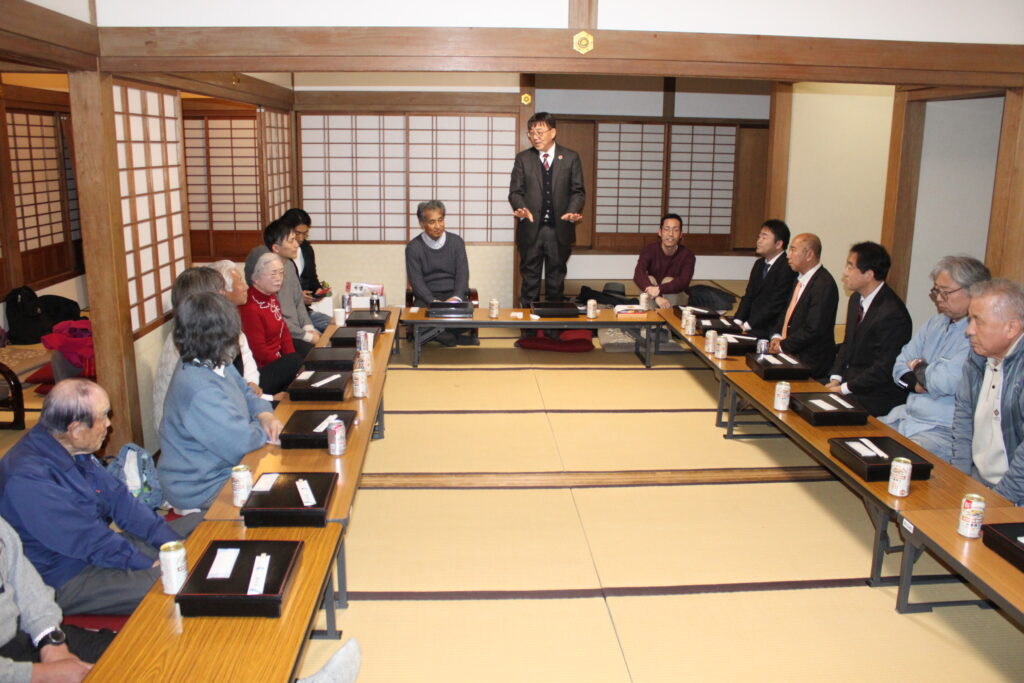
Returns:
(665, 267)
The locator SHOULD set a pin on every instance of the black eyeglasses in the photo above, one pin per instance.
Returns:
(942, 294)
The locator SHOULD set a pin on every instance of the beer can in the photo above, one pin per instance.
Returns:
(493, 309)
(645, 300)
(359, 384)
(336, 438)
(690, 324)
(899, 477)
(173, 568)
(781, 396)
(375, 303)
(241, 484)
(710, 339)
(762, 347)
(362, 340)
(367, 361)
(591, 308)
(721, 348)
(972, 514)
(346, 302)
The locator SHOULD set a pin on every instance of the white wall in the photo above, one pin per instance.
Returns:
(147, 357)
(983, 21)
(838, 160)
(954, 198)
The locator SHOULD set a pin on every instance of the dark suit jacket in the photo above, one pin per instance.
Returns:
(869, 350)
(526, 190)
(811, 332)
(308, 278)
(766, 298)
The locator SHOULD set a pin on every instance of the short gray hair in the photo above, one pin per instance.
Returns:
(432, 205)
(225, 268)
(70, 400)
(264, 261)
(1008, 297)
(966, 271)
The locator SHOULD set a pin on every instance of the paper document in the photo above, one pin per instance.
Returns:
(824, 405)
(223, 563)
(305, 375)
(265, 482)
(306, 493)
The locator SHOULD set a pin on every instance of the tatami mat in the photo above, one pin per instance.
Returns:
(666, 536)
(837, 634)
(465, 443)
(597, 441)
(501, 641)
(490, 353)
(627, 389)
(467, 540)
(440, 390)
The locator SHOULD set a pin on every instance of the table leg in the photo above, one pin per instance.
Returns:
(341, 595)
(731, 422)
(911, 553)
(649, 347)
(378, 426)
(722, 392)
(880, 546)
(417, 344)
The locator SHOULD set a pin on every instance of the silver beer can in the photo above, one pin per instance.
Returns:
(645, 300)
(721, 348)
(173, 567)
(972, 515)
(493, 309)
(375, 303)
(591, 308)
(710, 339)
(781, 396)
(362, 340)
(359, 384)
(899, 477)
(337, 440)
(690, 324)
(367, 361)
(241, 484)
(762, 347)
(346, 302)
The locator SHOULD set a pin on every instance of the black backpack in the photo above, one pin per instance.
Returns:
(26, 321)
(59, 308)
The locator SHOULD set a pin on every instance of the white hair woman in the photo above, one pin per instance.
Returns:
(265, 327)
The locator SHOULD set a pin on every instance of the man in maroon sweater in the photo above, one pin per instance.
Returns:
(665, 268)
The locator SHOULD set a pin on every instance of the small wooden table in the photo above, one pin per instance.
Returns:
(983, 568)
(641, 328)
(158, 644)
(943, 490)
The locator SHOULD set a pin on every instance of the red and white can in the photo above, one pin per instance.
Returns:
(173, 567)
(972, 515)
(241, 484)
(689, 323)
(367, 361)
(721, 348)
(493, 309)
(359, 384)
(591, 308)
(337, 440)
(710, 339)
(781, 396)
(362, 340)
(899, 477)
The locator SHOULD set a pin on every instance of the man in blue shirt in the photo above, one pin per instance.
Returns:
(61, 501)
(931, 364)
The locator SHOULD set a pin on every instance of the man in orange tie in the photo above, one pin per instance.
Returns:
(807, 329)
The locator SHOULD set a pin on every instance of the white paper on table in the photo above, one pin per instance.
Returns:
(824, 405)
(534, 316)
(414, 309)
(877, 451)
(844, 404)
(305, 375)
(258, 579)
(306, 493)
(773, 360)
(326, 380)
(786, 358)
(327, 420)
(699, 310)
(705, 323)
(861, 449)
(223, 563)
(731, 339)
(265, 482)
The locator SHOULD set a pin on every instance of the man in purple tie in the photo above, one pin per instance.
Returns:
(547, 196)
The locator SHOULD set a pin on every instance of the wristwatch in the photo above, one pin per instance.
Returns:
(54, 637)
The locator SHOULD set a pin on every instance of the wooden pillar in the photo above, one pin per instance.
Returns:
(8, 211)
(527, 108)
(900, 209)
(779, 120)
(99, 197)
(582, 14)
(1005, 252)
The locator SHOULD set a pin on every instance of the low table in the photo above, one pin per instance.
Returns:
(424, 329)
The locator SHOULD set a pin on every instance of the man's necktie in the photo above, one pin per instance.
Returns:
(767, 267)
(789, 311)
(547, 164)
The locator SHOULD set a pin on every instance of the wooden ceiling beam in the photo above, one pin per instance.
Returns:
(39, 36)
(226, 85)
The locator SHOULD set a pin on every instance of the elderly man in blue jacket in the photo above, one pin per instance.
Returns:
(61, 501)
(988, 424)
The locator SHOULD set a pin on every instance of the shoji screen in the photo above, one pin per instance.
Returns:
(149, 151)
(276, 145)
(630, 175)
(701, 171)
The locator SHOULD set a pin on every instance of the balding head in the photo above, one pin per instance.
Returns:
(76, 413)
(804, 252)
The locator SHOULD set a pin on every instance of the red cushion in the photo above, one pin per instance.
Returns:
(43, 375)
(94, 622)
(570, 341)
(44, 389)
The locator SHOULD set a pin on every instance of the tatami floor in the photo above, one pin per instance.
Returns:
(500, 534)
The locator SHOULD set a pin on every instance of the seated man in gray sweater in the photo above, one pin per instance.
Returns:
(437, 267)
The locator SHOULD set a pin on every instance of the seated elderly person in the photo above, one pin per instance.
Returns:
(931, 364)
(265, 328)
(988, 421)
(33, 646)
(437, 267)
(61, 501)
(665, 268)
(211, 418)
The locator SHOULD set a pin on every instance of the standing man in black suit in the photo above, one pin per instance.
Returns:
(770, 283)
(547, 196)
(877, 327)
(806, 329)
